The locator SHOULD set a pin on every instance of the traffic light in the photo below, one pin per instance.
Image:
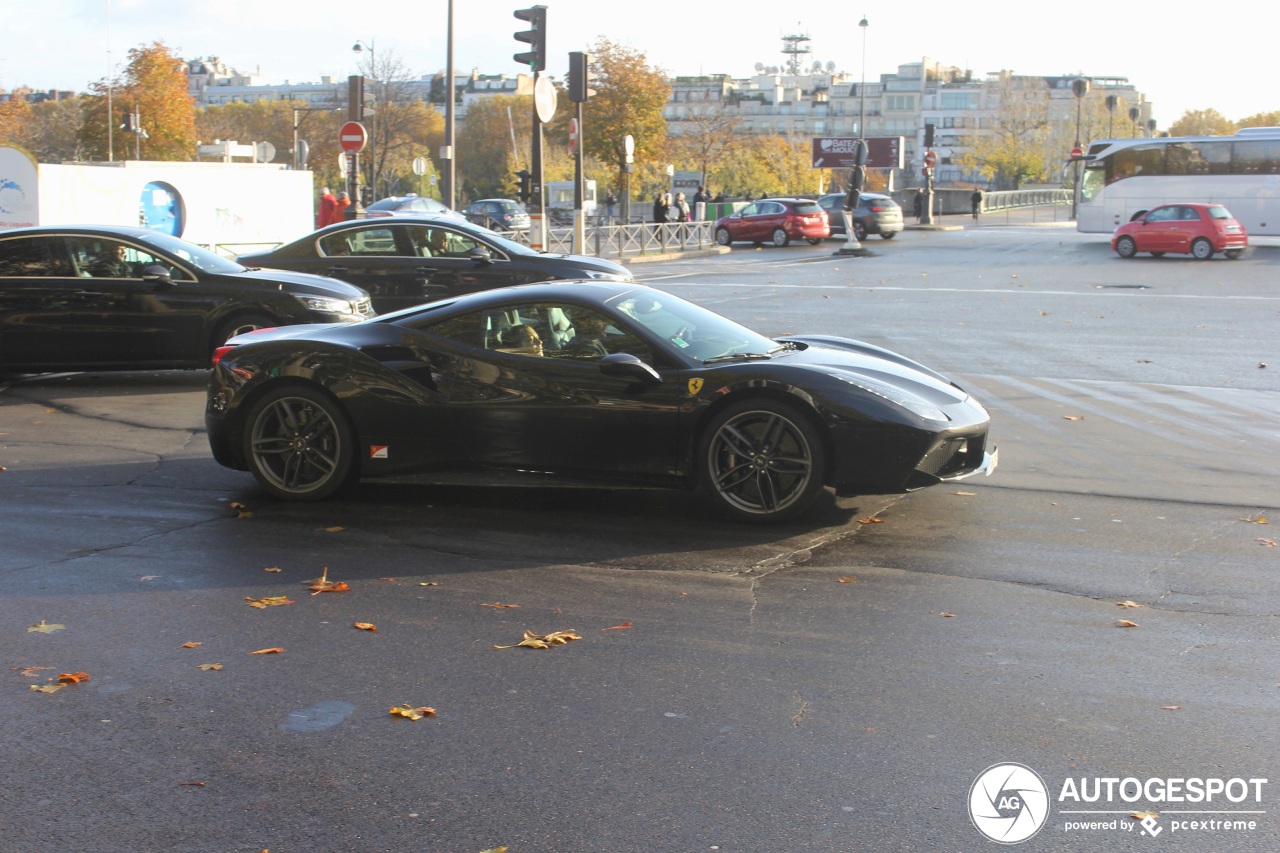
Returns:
(366, 195)
(928, 135)
(525, 183)
(535, 37)
(580, 77)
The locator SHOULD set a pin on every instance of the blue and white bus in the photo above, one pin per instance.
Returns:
(1124, 178)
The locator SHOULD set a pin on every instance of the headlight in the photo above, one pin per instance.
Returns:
(326, 304)
(897, 396)
(600, 275)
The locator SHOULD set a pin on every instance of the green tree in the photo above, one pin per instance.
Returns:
(1208, 122)
(56, 128)
(154, 85)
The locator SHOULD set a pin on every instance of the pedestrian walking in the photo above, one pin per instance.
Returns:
(610, 201)
(682, 208)
(325, 215)
(340, 208)
(917, 206)
(660, 208)
(701, 197)
(975, 201)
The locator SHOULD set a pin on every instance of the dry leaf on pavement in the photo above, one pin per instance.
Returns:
(624, 626)
(366, 626)
(272, 601)
(498, 605)
(273, 651)
(410, 713)
(544, 641)
(1125, 623)
(206, 667)
(45, 628)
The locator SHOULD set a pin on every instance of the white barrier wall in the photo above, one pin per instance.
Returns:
(233, 207)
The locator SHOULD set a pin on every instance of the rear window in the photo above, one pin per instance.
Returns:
(1219, 212)
(808, 207)
(386, 204)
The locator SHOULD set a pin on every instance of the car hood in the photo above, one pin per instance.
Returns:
(300, 282)
(589, 263)
(851, 361)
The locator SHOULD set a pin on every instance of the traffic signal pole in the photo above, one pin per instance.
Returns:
(536, 60)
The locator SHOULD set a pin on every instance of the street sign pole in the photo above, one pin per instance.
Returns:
(579, 214)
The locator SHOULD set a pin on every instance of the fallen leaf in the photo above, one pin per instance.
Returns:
(206, 667)
(498, 605)
(272, 569)
(272, 601)
(334, 529)
(323, 584)
(30, 671)
(275, 651)
(495, 850)
(192, 645)
(624, 626)
(1144, 815)
(410, 713)
(193, 784)
(73, 677)
(241, 510)
(366, 626)
(945, 615)
(1128, 604)
(1073, 417)
(390, 580)
(1171, 708)
(966, 494)
(47, 688)
(1262, 519)
(544, 641)
(428, 583)
(1125, 623)
(848, 580)
(148, 577)
(1270, 543)
(871, 521)
(46, 628)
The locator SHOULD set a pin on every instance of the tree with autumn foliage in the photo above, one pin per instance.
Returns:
(630, 96)
(1202, 123)
(154, 85)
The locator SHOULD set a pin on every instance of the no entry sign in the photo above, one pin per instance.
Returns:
(352, 137)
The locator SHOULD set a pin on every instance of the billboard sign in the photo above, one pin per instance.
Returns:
(836, 152)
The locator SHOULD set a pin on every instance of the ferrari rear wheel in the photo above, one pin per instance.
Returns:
(761, 461)
(299, 444)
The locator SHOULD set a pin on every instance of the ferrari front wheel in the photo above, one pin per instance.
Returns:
(761, 461)
(299, 444)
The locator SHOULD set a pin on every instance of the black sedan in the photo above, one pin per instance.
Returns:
(408, 260)
(118, 298)
(588, 381)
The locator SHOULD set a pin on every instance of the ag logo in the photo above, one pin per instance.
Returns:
(695, 385)
(1008, 803)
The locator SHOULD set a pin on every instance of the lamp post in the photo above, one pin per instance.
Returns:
(450, 172)
(1079, 88)
(358, 48)
(862, 86)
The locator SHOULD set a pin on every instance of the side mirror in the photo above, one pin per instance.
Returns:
(157, 273)
(481, 255)
(624, 365)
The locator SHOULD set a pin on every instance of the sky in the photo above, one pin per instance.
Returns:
(1188, 58)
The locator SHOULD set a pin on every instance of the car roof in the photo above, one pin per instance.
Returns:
(95, 230)
(560, 289)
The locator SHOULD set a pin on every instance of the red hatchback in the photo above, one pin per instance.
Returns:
(1197, 229)
(775, 220)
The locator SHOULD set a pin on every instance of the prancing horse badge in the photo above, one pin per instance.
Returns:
(695, 385)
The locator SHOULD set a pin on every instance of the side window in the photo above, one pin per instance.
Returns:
(750, 210)
(582, 334)
(444, 243)
(1163, 214)
(1191, 213)
(512, 329)
(380, 241)
(98, 257)
(33, 256)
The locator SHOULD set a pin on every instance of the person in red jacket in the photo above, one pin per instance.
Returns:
(327, 204)
(340, 208)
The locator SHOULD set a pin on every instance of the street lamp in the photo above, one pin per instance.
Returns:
(450, 173)
(358, 48)
(862, 87)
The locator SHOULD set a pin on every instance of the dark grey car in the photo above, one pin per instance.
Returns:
(407, 260)
(876, 213)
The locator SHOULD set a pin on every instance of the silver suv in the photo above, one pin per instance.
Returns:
(876, 213)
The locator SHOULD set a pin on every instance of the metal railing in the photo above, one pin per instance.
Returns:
(620, 241)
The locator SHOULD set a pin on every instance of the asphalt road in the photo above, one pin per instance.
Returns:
(837, 684)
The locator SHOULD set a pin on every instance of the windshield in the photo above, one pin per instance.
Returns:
(700, 334)
(201, 259)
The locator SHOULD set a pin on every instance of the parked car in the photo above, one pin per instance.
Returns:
(118, 298)
(409, 260)
(1196, 229)
(497, 214)
(876, 213)
(774, 220)
(586, 381)
(409, 205)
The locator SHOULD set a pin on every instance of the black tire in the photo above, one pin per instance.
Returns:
(299, 444)
(1201, 249)
(813, 241)
(722, 236)
(859, 231)
(888, 235)
(1233, 254)
(1126, 247)
(781, 237)
(761, 461)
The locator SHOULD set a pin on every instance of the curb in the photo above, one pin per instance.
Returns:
(671, 256)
